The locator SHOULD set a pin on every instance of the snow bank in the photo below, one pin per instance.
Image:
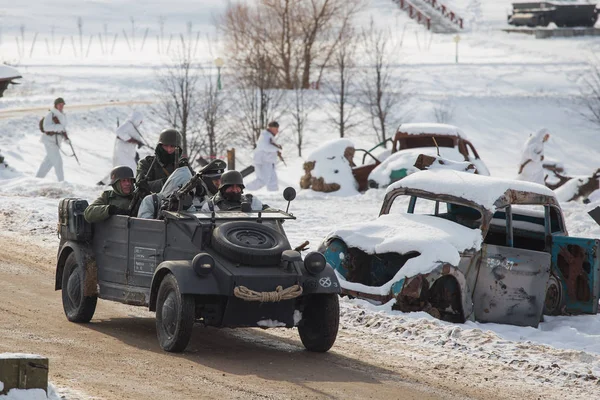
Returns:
(438, 240)
(333, 167)
(431, 128)
(483, 190)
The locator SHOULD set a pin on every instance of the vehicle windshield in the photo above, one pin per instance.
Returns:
(464, 215)
(267, 214)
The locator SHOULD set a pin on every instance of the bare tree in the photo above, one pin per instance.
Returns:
(178, 98)
(212, 140)
(443, 111)
(340, 85)
(300, 112)
(381, 93)
(257, 102)
(590, 94)
(295, 36)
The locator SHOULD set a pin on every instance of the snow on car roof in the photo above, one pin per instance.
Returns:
(431, 128)
(482, 190)
(7, 72)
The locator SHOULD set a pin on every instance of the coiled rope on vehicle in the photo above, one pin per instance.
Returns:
(279, 294)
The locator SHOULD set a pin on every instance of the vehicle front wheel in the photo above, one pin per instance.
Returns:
(78, 308)
(175, 314)
(555, 301)
(320, 321)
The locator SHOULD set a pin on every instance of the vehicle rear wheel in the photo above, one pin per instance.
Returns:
(320, 322)
(78, 308)
(175, 314)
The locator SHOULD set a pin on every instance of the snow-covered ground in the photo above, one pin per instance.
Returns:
(505, 87)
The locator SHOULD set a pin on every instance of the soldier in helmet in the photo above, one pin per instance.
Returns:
(153, 171)
(231, 195)
(115, 201)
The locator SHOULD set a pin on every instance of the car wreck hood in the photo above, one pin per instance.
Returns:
(438, 240)
(7, 73)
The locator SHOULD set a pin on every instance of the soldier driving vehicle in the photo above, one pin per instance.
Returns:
(115, 201)
(230, 196)
(221, 268)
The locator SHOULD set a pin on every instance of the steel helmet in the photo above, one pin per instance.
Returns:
(121, 172)
(232, 178)
(170, 137)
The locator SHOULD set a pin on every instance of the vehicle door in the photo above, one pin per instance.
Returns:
(146, 250)
(111, 249)
(576, 267)
(511, 282)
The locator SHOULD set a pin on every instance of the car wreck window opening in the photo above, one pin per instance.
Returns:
(427, 141)
(557, 224)
(509, 227)
(472, 149)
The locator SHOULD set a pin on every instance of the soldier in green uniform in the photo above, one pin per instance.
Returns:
(115, 201)
(153, 171)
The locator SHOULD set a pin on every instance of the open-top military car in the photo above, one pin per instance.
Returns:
(222, 269)
(464, 246)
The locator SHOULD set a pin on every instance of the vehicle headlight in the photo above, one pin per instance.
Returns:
(203, 264)
(314, 263)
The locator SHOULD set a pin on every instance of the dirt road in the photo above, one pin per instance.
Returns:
(117, 356)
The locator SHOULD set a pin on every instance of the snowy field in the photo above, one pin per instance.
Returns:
(504, 88)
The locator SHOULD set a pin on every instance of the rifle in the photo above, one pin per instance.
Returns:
(175, 202)
(139, 193)
(72, 149)
(281, 158)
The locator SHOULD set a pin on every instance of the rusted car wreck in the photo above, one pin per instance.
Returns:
(409, 141)
(468, 247)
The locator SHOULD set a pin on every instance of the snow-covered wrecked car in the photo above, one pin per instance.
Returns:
(463, 246)
(223, 269)
(410, 141)
(7, 76)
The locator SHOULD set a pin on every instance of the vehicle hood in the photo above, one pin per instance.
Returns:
(406, 159)
(436, 239)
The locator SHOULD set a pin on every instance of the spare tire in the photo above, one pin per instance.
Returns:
(249, 242)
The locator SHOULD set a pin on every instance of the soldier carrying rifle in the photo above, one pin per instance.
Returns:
(54, 128)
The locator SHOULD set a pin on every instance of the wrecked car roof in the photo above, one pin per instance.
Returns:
(489, 192)
(432, 129)
(438, 240)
